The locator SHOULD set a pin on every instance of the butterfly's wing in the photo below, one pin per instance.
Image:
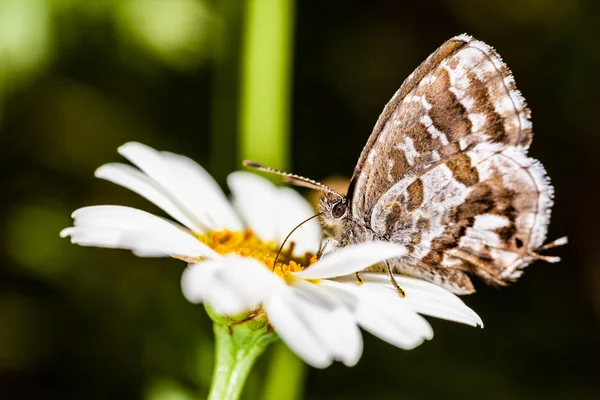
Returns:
(460, 95)
(445, 171)
(483, 211)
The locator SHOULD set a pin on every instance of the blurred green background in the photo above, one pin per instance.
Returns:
(79, 78)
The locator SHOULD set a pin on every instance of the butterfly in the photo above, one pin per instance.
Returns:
(445, 173)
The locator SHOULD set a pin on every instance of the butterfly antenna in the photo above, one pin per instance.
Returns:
(292, 178)
(290, 234)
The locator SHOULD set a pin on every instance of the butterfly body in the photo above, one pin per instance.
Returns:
(445, 173)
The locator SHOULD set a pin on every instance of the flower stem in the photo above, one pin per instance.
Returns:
(236, 349)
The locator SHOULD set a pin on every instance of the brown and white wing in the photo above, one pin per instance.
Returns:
(484, 211)
(462, 94)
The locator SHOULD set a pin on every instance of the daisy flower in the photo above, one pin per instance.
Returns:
(316, 306)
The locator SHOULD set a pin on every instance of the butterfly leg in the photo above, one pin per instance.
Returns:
(359, 279)
(555, 243)
(388, 269)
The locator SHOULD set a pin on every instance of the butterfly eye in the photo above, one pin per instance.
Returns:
(338, 210)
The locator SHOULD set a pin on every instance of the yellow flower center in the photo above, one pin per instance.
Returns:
(247, 244)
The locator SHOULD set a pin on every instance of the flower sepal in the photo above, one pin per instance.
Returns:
(254, 320)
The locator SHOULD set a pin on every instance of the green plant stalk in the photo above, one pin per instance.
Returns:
(266, 82)
(236, 349)
(285, 378)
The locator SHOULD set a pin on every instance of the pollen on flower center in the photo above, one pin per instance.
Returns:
(247, 244)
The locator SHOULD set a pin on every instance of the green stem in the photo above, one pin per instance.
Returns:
(236, 350)
(285, 378)
(266, 82)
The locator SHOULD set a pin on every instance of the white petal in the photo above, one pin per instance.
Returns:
(196, 280)
(295, 331)
(132, 229)
(332, 321)
(230, 285)
(194, 192)
(255, 198)
(386, 316)
(293, 209)
(251, 279)
(426, 298)
(350, 259)
(203, 186)
(138, 182)
(198, 285)
(201, 283)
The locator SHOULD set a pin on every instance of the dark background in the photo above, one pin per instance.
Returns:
(79, 79)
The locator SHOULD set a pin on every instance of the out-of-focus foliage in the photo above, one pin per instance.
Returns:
(175, 32)
(78, 78)
(26, 41)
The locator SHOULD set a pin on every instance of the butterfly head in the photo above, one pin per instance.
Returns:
(334, 212)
